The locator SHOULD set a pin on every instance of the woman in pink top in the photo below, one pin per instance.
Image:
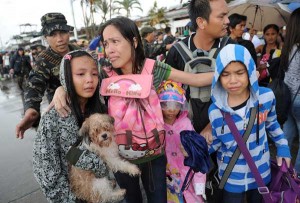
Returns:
(174, 109)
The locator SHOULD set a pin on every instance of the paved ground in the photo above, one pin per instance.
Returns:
(17, 184)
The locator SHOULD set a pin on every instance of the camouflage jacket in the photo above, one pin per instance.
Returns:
(43, 78)
(152, 50)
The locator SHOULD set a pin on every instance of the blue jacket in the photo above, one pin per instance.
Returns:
(241, 179)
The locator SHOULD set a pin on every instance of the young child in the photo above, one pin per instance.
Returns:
(55, 135)
(174, 109)
(235, 90)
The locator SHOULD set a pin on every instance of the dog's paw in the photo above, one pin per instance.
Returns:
(117, 195)
(134, 170)
(120, 192)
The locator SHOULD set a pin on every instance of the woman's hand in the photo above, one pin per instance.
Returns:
(60, 102)
(287, 161)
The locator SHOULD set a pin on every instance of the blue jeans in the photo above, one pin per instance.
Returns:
(154, 181)
(291, 128)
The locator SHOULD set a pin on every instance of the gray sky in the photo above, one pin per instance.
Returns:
(14, 13)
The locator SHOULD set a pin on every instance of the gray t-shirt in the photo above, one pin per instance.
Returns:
(292, 76)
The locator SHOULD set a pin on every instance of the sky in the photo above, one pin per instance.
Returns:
(17, 12)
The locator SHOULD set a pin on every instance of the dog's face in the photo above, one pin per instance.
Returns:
(99, 128)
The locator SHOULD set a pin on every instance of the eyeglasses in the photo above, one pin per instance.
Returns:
(171, 105)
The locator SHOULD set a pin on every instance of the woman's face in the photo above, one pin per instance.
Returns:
(271, 36)
(85, 77)
(118, 50)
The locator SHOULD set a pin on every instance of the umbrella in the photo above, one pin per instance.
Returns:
(260, 13)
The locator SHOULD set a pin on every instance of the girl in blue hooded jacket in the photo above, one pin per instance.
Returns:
(235, 90)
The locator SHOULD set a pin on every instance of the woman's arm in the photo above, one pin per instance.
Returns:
(196, 80)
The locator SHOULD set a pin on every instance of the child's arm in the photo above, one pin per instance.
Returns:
(216, 143)
(207, 133)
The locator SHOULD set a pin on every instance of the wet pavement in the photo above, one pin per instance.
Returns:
(17, 184)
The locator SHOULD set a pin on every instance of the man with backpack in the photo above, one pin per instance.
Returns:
(210, 20)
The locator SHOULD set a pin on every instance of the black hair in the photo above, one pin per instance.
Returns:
(167, 29)
(234, 20)
(94, 104)
(269, 26)
(129, 31)
(159, 33)
(292, 38)
(199, 8)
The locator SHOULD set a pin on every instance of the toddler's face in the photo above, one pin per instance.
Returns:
(170, 114)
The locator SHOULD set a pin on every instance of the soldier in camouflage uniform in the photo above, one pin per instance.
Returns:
(152, 50)
(45, 76)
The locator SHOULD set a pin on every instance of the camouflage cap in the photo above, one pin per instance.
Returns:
(54, 21)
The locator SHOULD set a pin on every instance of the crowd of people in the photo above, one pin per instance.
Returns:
(71, 76)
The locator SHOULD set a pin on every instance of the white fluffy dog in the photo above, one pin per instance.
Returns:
(100, 130)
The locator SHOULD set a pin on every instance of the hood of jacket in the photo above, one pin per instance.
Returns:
(233, 53)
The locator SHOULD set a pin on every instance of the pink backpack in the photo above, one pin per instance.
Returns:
(135, 106)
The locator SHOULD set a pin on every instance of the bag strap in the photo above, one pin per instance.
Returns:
(222, 43)
(187, 180)
(237, 152)
(185, 53)
(262, 189)
(148, 67)
(279, 71)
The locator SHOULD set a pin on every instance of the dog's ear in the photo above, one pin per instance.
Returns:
(84, 130)
(111, 120)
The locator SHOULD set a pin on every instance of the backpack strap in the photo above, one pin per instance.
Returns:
(148, 67)
(74, 152)
(185, 53)
(222, 43)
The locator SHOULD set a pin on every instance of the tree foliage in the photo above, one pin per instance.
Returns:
(157, 16)
(127, 5)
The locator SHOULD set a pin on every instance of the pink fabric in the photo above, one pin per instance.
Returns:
(175, 166)
(135, 118)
